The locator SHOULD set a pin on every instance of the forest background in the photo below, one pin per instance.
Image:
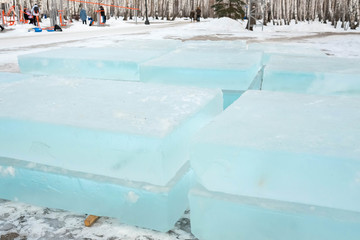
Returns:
(277, 12)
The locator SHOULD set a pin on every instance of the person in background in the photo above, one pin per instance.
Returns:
(35, 11)
(192, 15)
(26, 14)
(83, 15)
(102, 14)
(30, 17)
(198, 14)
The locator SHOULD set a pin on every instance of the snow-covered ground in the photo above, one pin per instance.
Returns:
(21, 221)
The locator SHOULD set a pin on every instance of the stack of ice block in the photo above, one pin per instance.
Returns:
(110, 148)
(224, 68)
(279, 166)
(314, 75)
(120, 63)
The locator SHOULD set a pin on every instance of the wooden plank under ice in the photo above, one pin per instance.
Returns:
(90, 220)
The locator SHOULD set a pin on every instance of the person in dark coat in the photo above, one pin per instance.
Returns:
(83, 16)
(198, 14)
(192, 15)
(102, 14)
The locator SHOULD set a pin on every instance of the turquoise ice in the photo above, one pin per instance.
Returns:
(139, 204)
(314, 75)
(120, 63)
(286, 147)
(217, 216)
(132, 131)
(109, 148)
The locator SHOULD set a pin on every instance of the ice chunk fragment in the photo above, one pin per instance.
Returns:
(315, 75)
(125, 130)
(100, 63)
(144, 205)
(288, 147)
(217, 216)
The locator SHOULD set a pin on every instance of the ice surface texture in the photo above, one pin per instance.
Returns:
(134, 131)
(282, 146)
(314, 75)
(143, 205)
(101, 63)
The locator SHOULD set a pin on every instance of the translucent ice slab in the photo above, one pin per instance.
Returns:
(125, 130)
(289, 50)
(314, 75)
(101, 63)
(217, 216)
(139, 204)
(209, 68)
(288, 147)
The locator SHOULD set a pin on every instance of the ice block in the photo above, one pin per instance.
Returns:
(127, 130)
(101, 63)
(293, 149)
(314, 75)
(230, 69)
(139, 204)
(217, 216)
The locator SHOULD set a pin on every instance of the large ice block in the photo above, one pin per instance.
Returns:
(230, 69)
(314, 75)
(293, 158)
(140, 204)
(101, 63)
(288, 147)
(127, 130)
(217, 216)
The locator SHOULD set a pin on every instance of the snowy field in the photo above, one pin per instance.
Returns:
(21, 221)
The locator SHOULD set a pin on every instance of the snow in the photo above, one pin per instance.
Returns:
(23, 221)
